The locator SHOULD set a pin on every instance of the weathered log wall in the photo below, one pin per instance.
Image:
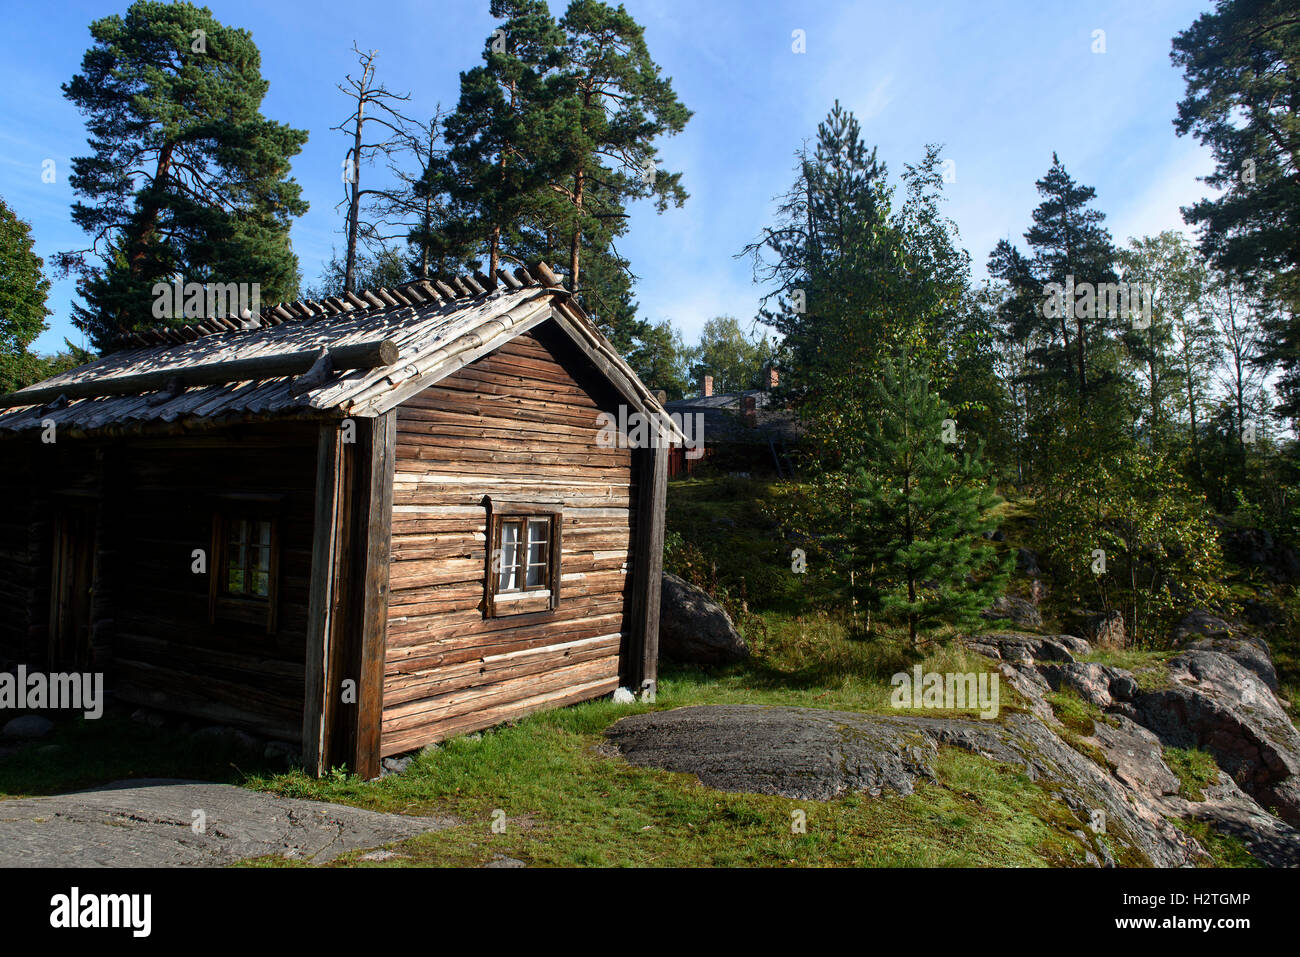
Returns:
(152, 635)
(518, 425)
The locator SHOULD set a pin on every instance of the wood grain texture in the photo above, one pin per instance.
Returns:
(519, 425)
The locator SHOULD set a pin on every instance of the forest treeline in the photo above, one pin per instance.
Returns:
(1132, 387)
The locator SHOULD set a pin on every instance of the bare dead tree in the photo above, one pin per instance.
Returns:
(415, 209)
(375, 107)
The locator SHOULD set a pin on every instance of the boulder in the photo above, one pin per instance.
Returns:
(694, 628)
(1027, 649)
(395, 765)
(803, 753)
(1105, 629)
(1015, 609)
(28, 726)
(1199, 623)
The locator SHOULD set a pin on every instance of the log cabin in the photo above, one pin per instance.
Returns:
(361, 525)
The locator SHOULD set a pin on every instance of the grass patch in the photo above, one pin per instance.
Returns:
(1195, 770)
(1225, 850)
(568, 804)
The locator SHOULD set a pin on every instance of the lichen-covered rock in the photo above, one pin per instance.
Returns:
(693, 628)
(814, 754)
(791, 752)
(1200, 631)
(1219, 706)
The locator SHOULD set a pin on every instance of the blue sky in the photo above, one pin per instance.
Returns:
(1001, 83)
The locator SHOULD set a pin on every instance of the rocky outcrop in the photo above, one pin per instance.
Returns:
(695, 629)
(1218, 701)
(1200, 631)
(1220, 707)
(812, 754)
(1013, 609)
(792, 752)
(1229, 811)
(1112, 768)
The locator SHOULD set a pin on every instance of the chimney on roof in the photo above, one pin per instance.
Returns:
(706, 386)
(751, 410)
(770, 378)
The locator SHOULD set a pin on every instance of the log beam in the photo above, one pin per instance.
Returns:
(362, 355)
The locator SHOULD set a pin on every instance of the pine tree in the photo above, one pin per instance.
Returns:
(1068, 240)
(1240, 63)
(186, 176)
(23, 291)
(501, 152)
(611, 104)
(922, 503)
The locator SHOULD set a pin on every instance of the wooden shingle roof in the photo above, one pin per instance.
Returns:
(330, 357)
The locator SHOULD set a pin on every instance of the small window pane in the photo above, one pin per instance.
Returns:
(507, 579)
(535, 575)
(525, 555)
(248, 557)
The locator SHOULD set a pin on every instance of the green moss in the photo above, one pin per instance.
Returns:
(1225, 850)
(1195, 770)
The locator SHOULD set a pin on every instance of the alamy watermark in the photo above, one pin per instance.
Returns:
(635, 430)
(75, 909)
(65, 692)
(201, 300)
(1086, 300)
(950, 691)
